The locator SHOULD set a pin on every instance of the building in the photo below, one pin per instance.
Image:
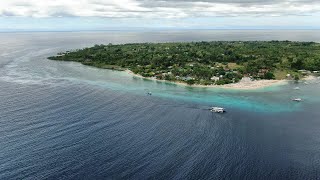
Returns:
(215, 78)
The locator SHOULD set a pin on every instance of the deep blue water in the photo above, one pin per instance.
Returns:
(63, 120)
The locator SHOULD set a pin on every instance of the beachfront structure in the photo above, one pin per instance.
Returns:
(302, 71)
(215, 78)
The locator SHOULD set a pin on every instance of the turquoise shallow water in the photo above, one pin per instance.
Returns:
(63, 120)
(271, 99)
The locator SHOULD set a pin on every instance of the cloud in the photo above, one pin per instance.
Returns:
(157, 8)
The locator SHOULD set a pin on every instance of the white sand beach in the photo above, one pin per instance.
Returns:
(244, 84)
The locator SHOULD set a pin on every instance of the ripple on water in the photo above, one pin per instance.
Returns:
(62, 120)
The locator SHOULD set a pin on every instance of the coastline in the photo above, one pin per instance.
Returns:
(242, 85)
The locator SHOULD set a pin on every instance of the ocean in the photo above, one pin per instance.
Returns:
(63, 120)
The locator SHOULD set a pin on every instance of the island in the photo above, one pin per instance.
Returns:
(204, 63)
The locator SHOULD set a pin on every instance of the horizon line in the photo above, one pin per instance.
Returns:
(143, 29)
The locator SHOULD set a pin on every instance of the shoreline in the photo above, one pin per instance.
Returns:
(242, 85)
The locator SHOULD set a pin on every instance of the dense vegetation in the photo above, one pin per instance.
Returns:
(204, 62)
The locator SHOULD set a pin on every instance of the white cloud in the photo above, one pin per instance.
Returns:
(156, 8)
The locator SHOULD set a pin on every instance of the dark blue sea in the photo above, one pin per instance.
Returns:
(63, 120)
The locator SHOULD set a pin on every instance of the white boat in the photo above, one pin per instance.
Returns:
(217, 110)
(297, 99)
(149, 93)
(296, 88)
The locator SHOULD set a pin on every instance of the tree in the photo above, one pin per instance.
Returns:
(269, 75)
(190, 82)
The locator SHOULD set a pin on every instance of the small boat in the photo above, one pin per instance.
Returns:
(149, 93)
(217, 110)
(296, 88)
(297, 99)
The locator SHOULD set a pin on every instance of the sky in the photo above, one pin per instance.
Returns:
(73, 15)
